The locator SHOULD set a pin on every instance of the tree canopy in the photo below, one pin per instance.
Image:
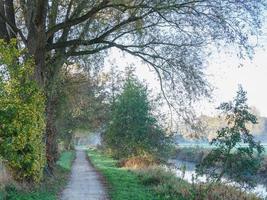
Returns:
(171, 36)
(237, 156)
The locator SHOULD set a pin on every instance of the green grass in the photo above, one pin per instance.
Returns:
(123, 184)
(165, 184)
(50, 187)
(157, 183)
(65, 160)
(13, 194)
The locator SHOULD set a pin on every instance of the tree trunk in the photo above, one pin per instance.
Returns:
(36, 43)
(51, 133)
(3, 28)
(52, 89)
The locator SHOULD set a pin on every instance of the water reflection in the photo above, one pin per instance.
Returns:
(189, 172)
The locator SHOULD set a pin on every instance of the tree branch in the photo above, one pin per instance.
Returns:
(13, 27)
(88, 52)
(3, 29)
(75, 21)
(97, 39)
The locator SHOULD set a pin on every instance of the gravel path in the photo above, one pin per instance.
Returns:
(85, 183)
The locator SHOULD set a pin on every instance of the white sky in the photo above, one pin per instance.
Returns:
(224, 74)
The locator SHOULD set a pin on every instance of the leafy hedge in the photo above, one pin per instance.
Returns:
(21, 115)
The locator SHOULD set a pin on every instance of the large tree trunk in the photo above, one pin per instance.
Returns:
(36, 43)
(52, 89)
(51, 133)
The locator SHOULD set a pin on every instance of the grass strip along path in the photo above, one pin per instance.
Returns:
(123, 184)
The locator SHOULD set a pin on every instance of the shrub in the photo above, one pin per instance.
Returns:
(133, 130)
(138, 162)
(21, 115)
(236, 156)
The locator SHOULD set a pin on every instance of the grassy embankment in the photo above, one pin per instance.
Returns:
(50, 187)
(156, 183)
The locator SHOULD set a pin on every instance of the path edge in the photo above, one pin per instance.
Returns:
(59, 194)
(102, 178)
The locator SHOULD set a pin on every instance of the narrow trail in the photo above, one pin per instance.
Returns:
(85, 183)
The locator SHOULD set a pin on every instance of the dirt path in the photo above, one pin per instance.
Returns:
(85, 183)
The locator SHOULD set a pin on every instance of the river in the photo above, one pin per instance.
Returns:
(260, 190)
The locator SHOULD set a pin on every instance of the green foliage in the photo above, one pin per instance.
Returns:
(81, 104)
(236, 155)
(13, 194)
(21, 115)
(133, 130)
(65, 160)
(50, 186)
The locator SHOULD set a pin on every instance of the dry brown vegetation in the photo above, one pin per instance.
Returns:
(165, 184)
(137, 162)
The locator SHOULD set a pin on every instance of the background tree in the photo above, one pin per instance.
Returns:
(83, 103)
(236, 156)
(133, 130)
(169, 35)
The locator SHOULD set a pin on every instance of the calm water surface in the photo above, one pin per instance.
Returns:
(260, 190)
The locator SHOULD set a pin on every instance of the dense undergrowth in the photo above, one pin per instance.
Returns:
(157, 183)
(166, 185)
(49, 188)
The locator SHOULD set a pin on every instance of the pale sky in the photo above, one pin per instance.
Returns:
(224, 73)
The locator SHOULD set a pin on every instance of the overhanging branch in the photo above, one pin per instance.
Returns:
(78, 20)
(13, 28)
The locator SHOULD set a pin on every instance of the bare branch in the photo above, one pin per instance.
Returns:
(75, 21)
(13, 27)
(88, 52)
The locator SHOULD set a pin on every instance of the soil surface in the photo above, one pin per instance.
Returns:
(85, 183)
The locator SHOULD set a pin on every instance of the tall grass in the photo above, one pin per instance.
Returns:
(166, 185)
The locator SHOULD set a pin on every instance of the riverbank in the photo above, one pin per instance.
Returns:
(189, 157)
(49, 188)
(157, 183)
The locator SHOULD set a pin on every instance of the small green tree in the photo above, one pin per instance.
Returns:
(237, 155)
(133, 130)
(22, 107)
